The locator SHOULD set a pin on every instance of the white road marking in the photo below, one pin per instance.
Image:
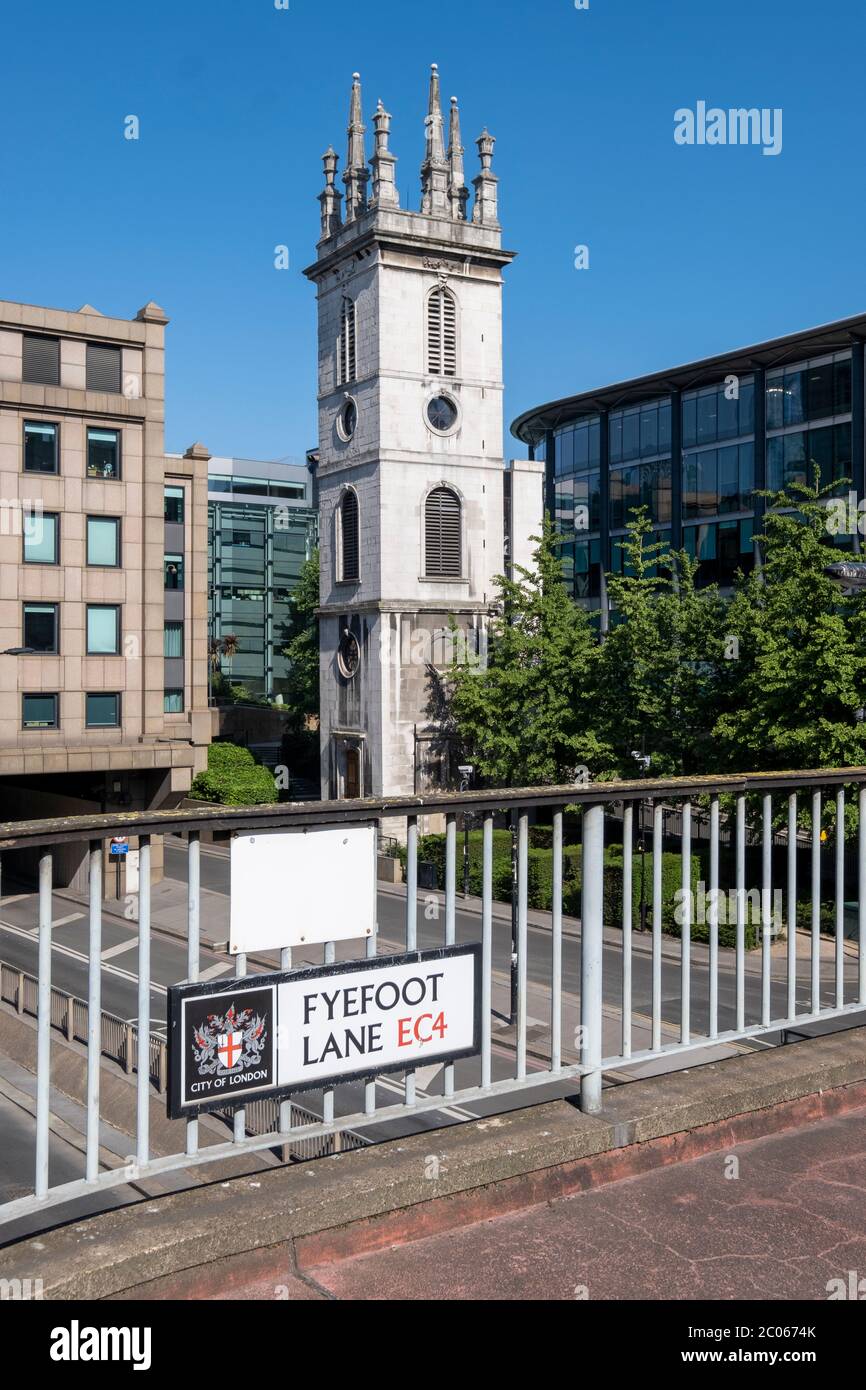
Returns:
(79, 955)
(213, 970)
(120, 948)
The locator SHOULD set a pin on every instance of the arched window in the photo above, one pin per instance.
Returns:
(441, 333)
(346, 343)
(443, 557)
(348, 539)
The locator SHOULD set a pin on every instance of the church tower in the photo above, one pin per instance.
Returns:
(411, 477)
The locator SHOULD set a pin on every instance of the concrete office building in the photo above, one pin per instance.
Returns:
(694, 444)
(411, 475)
(103, 572)
(262, 526)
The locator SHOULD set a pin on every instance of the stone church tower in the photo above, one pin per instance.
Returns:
(412, 483)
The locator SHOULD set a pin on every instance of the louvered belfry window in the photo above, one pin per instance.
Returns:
(349, 546)
(346, 345)
(442, 541)
(442, 333)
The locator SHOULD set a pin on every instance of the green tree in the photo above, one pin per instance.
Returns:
(302, 643)
(790, 698)
(657, 669)
(525, 717)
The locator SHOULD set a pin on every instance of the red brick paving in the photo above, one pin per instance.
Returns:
(793, 1219)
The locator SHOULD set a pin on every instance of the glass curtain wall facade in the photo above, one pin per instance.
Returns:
(698, 454)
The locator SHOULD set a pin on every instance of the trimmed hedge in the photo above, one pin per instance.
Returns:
(233, 778)
(431, 848)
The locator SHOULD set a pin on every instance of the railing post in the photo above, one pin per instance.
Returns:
(129, 1049)
(591, 953)
(20, 1001)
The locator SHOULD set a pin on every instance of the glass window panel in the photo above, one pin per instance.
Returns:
(842, 386)
(775, 401)
(174, 504)
(729, 416)
(707, 417)
(729, 479)
(689, 539)
(820, 395)
(690, 428)
(795, 412)
(40, 627)
(649, 430)
(706, 542)
(662, 500)
(565, 452)
(103, 540)
(617, 517)
(581, 446)
(40, 448)
(594, 481)
(615, 432)
(795, 457)
(664, 426)
(775, 464)
(102, 711)
(690, 485)
(707, 492)
(842, 467)
(747, 407)
(594, 442)
(40, 538)
(747, 475)
(173, 639)
(103, 630)
(631, 435)
(173, 702)
(40, 711)
(173, 571)
(103, 454)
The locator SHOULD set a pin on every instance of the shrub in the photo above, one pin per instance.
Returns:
(233, 778)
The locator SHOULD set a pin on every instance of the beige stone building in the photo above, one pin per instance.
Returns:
(103, 572)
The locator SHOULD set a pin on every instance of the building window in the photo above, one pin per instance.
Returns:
(41, 360)
(347, 419)
(346, 360)
(103, 368)
(41, 627)
(349, 545)
(40, 711)
(41, 538)
(103, 541)
(442, 414)
(103, 453)
(174, 571)
(442, 541)
(174, 505)
(102, 711)
(172, 644)
(441, 333)
(173, 702)
(103, 629)
(40, 448)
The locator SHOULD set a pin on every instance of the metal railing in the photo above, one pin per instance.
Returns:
(666, 1004)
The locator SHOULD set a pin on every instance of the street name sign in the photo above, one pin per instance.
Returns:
(301, 887)
(274, 1035)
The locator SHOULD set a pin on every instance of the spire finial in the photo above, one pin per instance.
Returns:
(434, 170)
(330, 197)
(458, 193)
(355, 175)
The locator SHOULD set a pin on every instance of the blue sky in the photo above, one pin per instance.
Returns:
(692, 249)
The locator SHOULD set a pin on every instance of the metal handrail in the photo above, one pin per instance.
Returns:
(286, 815)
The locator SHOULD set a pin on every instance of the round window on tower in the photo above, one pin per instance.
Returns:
(348, 655)
(442, 414)
(347, 419)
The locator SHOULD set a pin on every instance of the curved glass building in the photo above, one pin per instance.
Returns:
(694, 444)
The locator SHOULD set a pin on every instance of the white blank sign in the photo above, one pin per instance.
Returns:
(297, 887)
